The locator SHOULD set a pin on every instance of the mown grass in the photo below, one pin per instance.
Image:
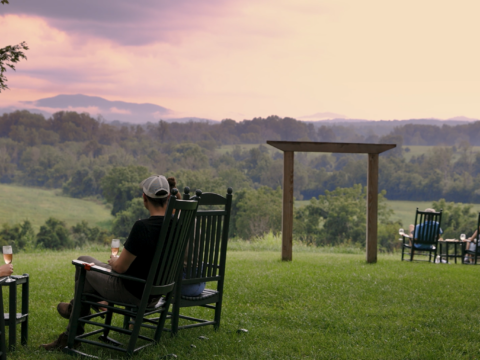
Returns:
(18, 203)
(319, 306)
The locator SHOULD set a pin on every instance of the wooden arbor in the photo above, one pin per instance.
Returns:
(289, 147)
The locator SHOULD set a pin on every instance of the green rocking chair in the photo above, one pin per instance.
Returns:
(424, 240)
(205, 260)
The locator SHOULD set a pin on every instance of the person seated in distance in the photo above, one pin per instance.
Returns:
(415, 231)
(471, 244)
(134, 260)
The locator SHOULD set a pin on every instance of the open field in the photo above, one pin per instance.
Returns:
(37, 205)
(403, 210)
(319, 306)
(415, 150)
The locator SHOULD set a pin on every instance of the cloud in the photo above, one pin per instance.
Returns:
(249, 58)
(114, 110)
(124, 21)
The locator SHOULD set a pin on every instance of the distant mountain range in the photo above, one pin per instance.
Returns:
(116, 112)
(121, 112)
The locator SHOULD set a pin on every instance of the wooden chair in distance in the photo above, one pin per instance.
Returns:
(205, 259)
(472, 252)
(167, 263)
(424, 239)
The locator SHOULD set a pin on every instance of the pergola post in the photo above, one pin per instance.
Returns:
(287, 213)
(372, 207)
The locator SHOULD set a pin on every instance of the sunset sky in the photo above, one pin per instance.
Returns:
(239, 59)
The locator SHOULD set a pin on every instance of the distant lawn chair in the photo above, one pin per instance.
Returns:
(167, 263)
(425, 235)
(205, 260)
(474, 250)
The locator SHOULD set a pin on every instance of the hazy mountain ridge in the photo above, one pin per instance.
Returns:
(127, 113)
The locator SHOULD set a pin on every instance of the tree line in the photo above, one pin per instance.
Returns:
(86, 157)
(75, 152)
(54, 235)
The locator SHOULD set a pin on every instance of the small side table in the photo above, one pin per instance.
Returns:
(12, 318)
(458, 250)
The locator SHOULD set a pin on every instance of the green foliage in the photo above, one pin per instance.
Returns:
(82, 234)
(122, 184)
(9, 56)
(339, 217)
(456, 219)
(256, 212)
(84, 182)
(190, 156)
(17, 235)
(53, 235)
(125, 219)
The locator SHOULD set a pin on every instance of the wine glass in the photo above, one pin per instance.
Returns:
(8, 258)
(115, 247)
(401, 232)
(462, 237)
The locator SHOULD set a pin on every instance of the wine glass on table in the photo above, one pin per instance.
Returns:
(115, 247)
(462, 237)
(8, 258)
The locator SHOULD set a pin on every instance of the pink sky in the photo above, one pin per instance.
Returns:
(239, 59)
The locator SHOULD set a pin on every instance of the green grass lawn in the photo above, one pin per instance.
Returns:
(19, 203)
(319, 306)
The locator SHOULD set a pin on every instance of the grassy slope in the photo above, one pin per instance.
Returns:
(37, 205)
(320, 306)
(416, 150)
(403, 210)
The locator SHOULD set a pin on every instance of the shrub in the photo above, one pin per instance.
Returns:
(54, 235)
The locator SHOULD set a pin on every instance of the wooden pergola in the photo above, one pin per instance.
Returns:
(289, 147)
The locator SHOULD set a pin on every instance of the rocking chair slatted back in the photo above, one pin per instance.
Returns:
(205, 258)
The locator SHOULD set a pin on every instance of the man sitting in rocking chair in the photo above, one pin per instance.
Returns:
(134, 260)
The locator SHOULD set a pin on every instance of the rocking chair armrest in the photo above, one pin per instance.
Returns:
(405, 236)
(106, 271)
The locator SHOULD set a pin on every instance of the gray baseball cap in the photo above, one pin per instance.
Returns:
(156, 187)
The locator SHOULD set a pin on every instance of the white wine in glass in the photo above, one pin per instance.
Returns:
(401, 231)
(462, 237)
(8, 258)
(115, 247)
